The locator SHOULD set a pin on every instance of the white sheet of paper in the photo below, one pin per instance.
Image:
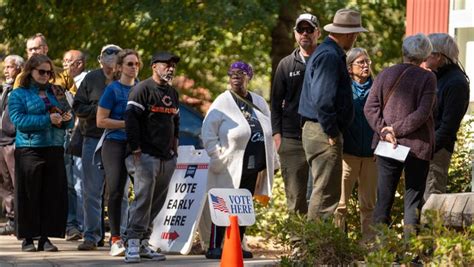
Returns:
(385, 149)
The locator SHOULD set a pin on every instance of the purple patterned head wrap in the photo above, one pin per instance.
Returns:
(242, 66)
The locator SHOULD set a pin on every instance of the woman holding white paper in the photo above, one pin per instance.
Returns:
(400, 111)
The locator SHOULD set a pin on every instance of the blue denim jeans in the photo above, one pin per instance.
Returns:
(75, 216)
(93, 182)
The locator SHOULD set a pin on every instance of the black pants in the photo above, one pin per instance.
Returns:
(40, 192)
(249, 180)
(389, 172)
(113, 158)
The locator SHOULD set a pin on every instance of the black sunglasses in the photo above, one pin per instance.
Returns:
(308, 30)
(43, 72)
(111, 51)
(131, 64)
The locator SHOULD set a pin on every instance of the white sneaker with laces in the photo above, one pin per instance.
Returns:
(147, 252)
(117, 249)
(132, 253)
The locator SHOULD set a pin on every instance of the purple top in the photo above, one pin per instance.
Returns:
(409, 110)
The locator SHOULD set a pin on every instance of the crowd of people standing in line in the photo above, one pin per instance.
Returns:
(66, 133)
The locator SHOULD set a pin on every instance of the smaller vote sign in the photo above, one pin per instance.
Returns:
(226, 201)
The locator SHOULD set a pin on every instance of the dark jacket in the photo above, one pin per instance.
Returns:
(152, 118)
(327, 95)
(409, 109)
(86, 102)
(453, 101)
(7, 130)
(358, 136)
(285, 97)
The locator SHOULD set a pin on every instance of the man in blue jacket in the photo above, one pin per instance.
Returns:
(326, 109)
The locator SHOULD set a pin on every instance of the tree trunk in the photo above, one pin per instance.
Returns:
(283, 41)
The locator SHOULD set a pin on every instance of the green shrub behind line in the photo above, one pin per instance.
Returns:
(318, 242)
(460, 175)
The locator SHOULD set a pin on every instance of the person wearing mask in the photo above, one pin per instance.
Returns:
(237, 136)
(452, 102)
(110, 116)
(399, 110)
(41, 183)
(13, 65)
(285, 98)
(85, 107)
(358, 164)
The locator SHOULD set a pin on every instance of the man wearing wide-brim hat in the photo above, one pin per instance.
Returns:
(326, 109)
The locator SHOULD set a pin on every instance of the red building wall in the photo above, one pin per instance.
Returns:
(427, 16)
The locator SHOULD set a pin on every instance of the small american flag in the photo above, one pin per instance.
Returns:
(218, 203)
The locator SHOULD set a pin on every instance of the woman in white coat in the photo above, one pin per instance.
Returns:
(237, 136)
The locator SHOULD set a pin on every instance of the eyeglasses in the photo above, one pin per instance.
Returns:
(131, 64)
(238, 73)
(361, 63)
(44, 72)
(34, 49)
(308, 30)
(110, 51)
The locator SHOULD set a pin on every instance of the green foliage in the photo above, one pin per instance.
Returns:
(315, 242)
(459, 175)
(266, 216)
(208, 35)
(434, 245)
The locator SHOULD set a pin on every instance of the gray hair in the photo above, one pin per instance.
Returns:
(354, 53)
(417, 47)
(446, 45)
(19, 61)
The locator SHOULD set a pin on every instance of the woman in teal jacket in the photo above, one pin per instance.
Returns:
(41, 184)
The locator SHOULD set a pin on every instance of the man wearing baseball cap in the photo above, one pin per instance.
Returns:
(285, 98)
(152, 126)
(326, 109)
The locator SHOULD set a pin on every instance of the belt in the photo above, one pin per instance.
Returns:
(305, 119)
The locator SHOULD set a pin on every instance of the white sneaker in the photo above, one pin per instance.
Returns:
(132, 253)
(117, 249)
(147, 252)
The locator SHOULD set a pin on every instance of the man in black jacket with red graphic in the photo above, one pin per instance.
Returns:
(286, 122)
(152, 126)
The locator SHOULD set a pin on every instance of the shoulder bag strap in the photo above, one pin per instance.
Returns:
(246, 101)
(392, 89)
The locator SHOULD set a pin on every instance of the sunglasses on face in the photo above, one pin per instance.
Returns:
(44, 72)
(131, 64)
(308, 30)
(110, 51)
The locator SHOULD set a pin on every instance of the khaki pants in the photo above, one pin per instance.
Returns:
(363, 171)
(325, 162)
(437, 178)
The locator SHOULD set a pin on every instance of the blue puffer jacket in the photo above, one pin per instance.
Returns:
(31, 119)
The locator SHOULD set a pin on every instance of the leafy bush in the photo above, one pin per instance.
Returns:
(459, 175)
(266, 216)
(434, 245)
(315, 242)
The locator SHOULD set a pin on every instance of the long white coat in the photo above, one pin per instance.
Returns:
(225, 134)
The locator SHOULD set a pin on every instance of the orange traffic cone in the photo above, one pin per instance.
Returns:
(232, 254)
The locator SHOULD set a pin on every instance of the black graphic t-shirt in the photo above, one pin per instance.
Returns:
(254, 156)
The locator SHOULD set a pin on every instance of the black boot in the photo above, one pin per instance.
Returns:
(27, 245)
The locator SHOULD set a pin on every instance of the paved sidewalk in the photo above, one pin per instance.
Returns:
(11, 255)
